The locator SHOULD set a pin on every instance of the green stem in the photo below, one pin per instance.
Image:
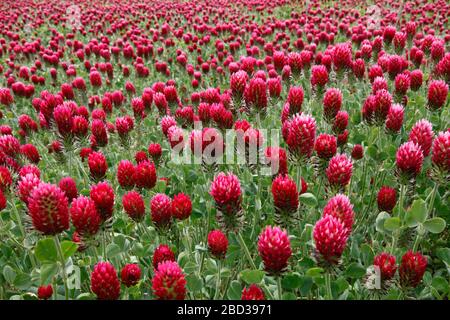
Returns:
(63, 265)
(416, 242)
(280, 292)
(104, 244)
(433, 197)
(22, 231)
(246, 251)
(400, 201)
(217, 293)
(328, 286)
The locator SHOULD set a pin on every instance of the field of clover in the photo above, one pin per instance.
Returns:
(116, 116)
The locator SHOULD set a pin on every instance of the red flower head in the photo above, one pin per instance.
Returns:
(155, 151)
(45, 292)
(402, 84)
(319, 76)
(275, 87)
(30, 152)
(359, 68)
(325, 146)
(63, 115)
(256, 93)
(416, 79)
(277, 159)
(340, 122)
(103, 196)
(226, 191)
(140, 156)
(181, 206)
(125, 174)
(412, 268)
(95, 78)
(161, 254)
(357, 152)
(422, 134)
(138, 106)
(394, 120)
(383, 102)
(3, 201)
(409, 159)
(330, 238)
(5, 178)
(437, 94)
(274, 249)
(378, 84)
(217, 244)
(166, 123)
(301, 135)
(285, 194)
(332, 103)
(97, 165)
(124, 125)
(80, 126)
(9, 145)
(85, 216)
(130, 274)
(134, 206)
(386, 199)
(168, 282)
(441, 151)
(295, 62)
(238, 82)
(387, 265)
(340, 207)
(253, 292)
(295, 99)
(342, 138)
(161, 210)
(104, 281)
(48, 208)
(145, 175)
(26, 185)
(98, 129)
(342, 56)
(69, 187)
(339, 170)
(29, 168)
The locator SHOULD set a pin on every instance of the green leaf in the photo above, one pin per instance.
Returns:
(440, 284)
(234, 291)
(194, 282)
(22, 281)
(309, 199)
(9, 274)
(435, 225)
(418, 211)
(160, 186)
(444, 255)
(314, 272)
(355, 271)
(48, 271)
(306, 285)
(252, 276)
(85, 296)
(289, 296)
(381, 218)
(68, 248)
(45, 251)
(112, 250)
(291, 281)
(392, 224)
